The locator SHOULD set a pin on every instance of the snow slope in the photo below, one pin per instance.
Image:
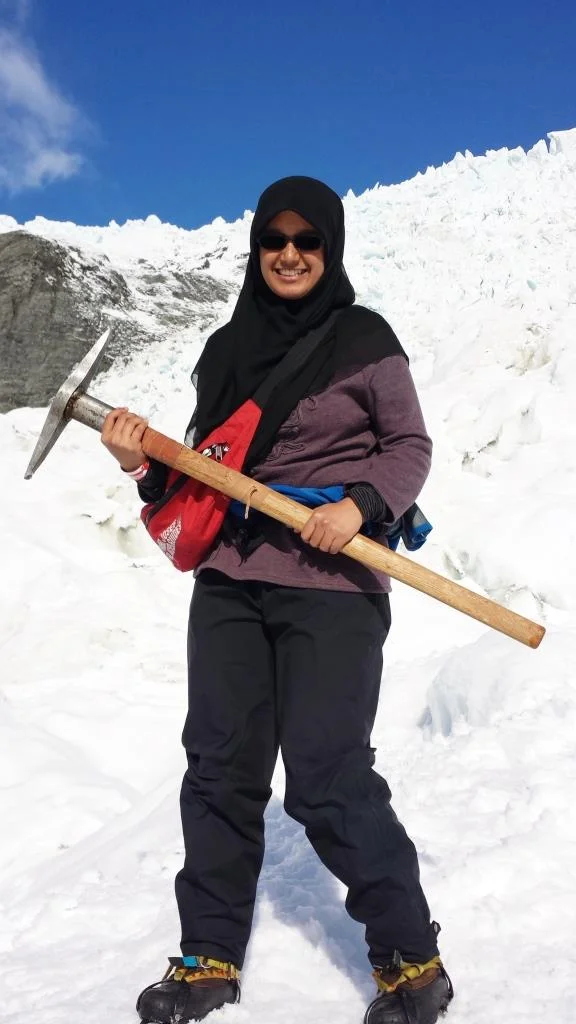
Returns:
(474, 263)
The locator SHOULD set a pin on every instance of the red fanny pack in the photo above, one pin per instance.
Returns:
(186, 520)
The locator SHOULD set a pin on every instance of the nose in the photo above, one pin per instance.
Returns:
(290, 253)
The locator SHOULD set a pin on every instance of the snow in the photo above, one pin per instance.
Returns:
(474, 263)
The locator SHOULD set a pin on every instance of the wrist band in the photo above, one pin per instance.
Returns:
(137, 474)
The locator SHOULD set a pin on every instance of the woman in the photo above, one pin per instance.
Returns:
(286, 634)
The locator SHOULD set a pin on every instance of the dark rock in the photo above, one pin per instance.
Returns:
(56, 300)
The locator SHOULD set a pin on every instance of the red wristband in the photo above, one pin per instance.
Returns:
(137, 474)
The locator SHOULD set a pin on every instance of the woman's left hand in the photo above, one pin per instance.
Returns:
(330, 527)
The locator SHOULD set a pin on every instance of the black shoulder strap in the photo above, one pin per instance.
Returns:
(295, 358)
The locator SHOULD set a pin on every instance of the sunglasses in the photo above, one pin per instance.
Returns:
(304, 241)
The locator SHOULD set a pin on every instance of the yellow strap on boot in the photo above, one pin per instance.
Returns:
(389, 980)
(207, 968)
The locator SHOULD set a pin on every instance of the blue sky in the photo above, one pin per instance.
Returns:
(116, 109)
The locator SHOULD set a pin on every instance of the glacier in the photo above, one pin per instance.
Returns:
(474, 265)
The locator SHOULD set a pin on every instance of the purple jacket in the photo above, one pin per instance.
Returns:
(365, 428)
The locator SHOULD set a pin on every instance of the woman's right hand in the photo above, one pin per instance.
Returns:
(122, 435)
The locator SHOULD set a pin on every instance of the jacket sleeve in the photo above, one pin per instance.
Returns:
(368, 501)
(152, 486)
(400, 463)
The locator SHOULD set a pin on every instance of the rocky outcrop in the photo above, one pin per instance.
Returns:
(55, 300)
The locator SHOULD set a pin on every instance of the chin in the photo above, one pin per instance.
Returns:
(293, 293)
(288, 292)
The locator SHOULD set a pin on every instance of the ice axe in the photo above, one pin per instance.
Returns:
(72, 402)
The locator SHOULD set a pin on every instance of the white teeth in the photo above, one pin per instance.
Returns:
(290, 273)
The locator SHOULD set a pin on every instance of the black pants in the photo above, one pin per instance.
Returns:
(272, 667)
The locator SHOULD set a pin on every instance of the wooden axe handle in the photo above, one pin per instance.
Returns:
(285, 510)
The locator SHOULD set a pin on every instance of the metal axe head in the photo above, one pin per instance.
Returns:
(64, 404)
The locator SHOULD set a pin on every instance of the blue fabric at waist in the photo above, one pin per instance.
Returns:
(312, 497)
(412, 528)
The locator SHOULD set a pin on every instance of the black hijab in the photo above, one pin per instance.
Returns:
(239, 356)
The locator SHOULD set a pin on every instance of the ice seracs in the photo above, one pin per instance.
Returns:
(475, 734)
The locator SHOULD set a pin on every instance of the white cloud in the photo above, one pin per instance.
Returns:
(37, 124)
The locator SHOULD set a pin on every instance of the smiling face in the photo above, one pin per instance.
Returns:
(291, 274)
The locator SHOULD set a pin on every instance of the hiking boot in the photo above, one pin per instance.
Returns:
(189, 991)
(410, 993)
